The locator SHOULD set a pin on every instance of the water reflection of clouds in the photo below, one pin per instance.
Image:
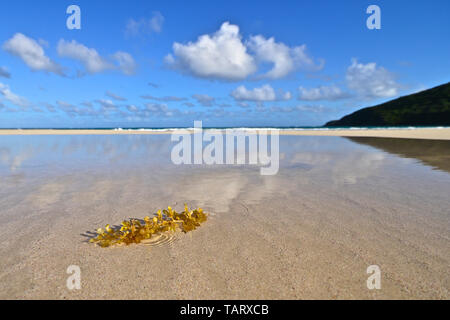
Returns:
(343, 162)
(18, 152)
(357, 166)
(342, 168)
(14, 161)
(337, 159)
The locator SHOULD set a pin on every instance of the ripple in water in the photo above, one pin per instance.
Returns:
(161, 239)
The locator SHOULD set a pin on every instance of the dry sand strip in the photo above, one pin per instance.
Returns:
(418, 133)
(422, 133)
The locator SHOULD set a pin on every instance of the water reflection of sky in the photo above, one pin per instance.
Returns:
(23, 153)
(344, 160)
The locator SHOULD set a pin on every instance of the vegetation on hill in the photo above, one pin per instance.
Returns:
(426, 108)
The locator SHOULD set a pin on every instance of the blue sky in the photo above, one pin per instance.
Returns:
(228, 63)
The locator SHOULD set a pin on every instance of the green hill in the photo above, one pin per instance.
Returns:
(426, 108)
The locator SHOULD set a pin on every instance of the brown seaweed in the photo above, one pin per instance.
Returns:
(135, 231)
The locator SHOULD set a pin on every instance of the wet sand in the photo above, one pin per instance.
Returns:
(309, 232)
(420, 133)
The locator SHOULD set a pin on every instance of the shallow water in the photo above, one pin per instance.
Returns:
(336, 206)
(49, 155)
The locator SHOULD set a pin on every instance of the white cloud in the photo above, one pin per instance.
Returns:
(146, 26)
(93, 61)
(115, 96)
(132, 108)
(87, 104)
(154, 110)
(312, 108)
(243, 104)
(224, 55)
(12, 97)
(370, 81)
(125, 61)
(73, 110)
(4, 73)
(322, 93)
(157, 109)
(221, 55)
(285, 59)
(189, 104)
(264, 93)
(154, 85)
(156, 21)
(49, 107)
(284, 95)
(300, 108)
(32, 53)
(107, 105)
(67, 107)
(164, 99)
(90, 58)
(204, 99)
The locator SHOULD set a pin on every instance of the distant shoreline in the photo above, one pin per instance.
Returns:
(434, 133)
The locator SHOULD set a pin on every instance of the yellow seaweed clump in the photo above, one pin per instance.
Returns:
(135, 231)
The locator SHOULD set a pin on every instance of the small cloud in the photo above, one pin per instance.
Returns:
(221, 55)
(93, 61)
(284, 59)
(405, 63)
(107, 105)
(87, 104)
(282, 109)
(204, 100)
(36, 109)
(68, 108)
(4, 108)
(156, 22)
(49, 107)
(164, 99)
(89, 57)
(145, 26)
(43, 43)
(115, 96)
(71, 109)
(331, 93)
(158, 109)
(322, 77)
(12, 97)
(371, 81)
(5, 73)
(32, 53)
(126, 62)
(301, 108)
(243, 104)
(132, 108)
(312, 108)
(261, 94)
(154, 85)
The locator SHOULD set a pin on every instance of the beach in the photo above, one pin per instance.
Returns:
(416, 133)
(217, 159)
(337, 206)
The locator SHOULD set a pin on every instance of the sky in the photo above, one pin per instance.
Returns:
(227, 63)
